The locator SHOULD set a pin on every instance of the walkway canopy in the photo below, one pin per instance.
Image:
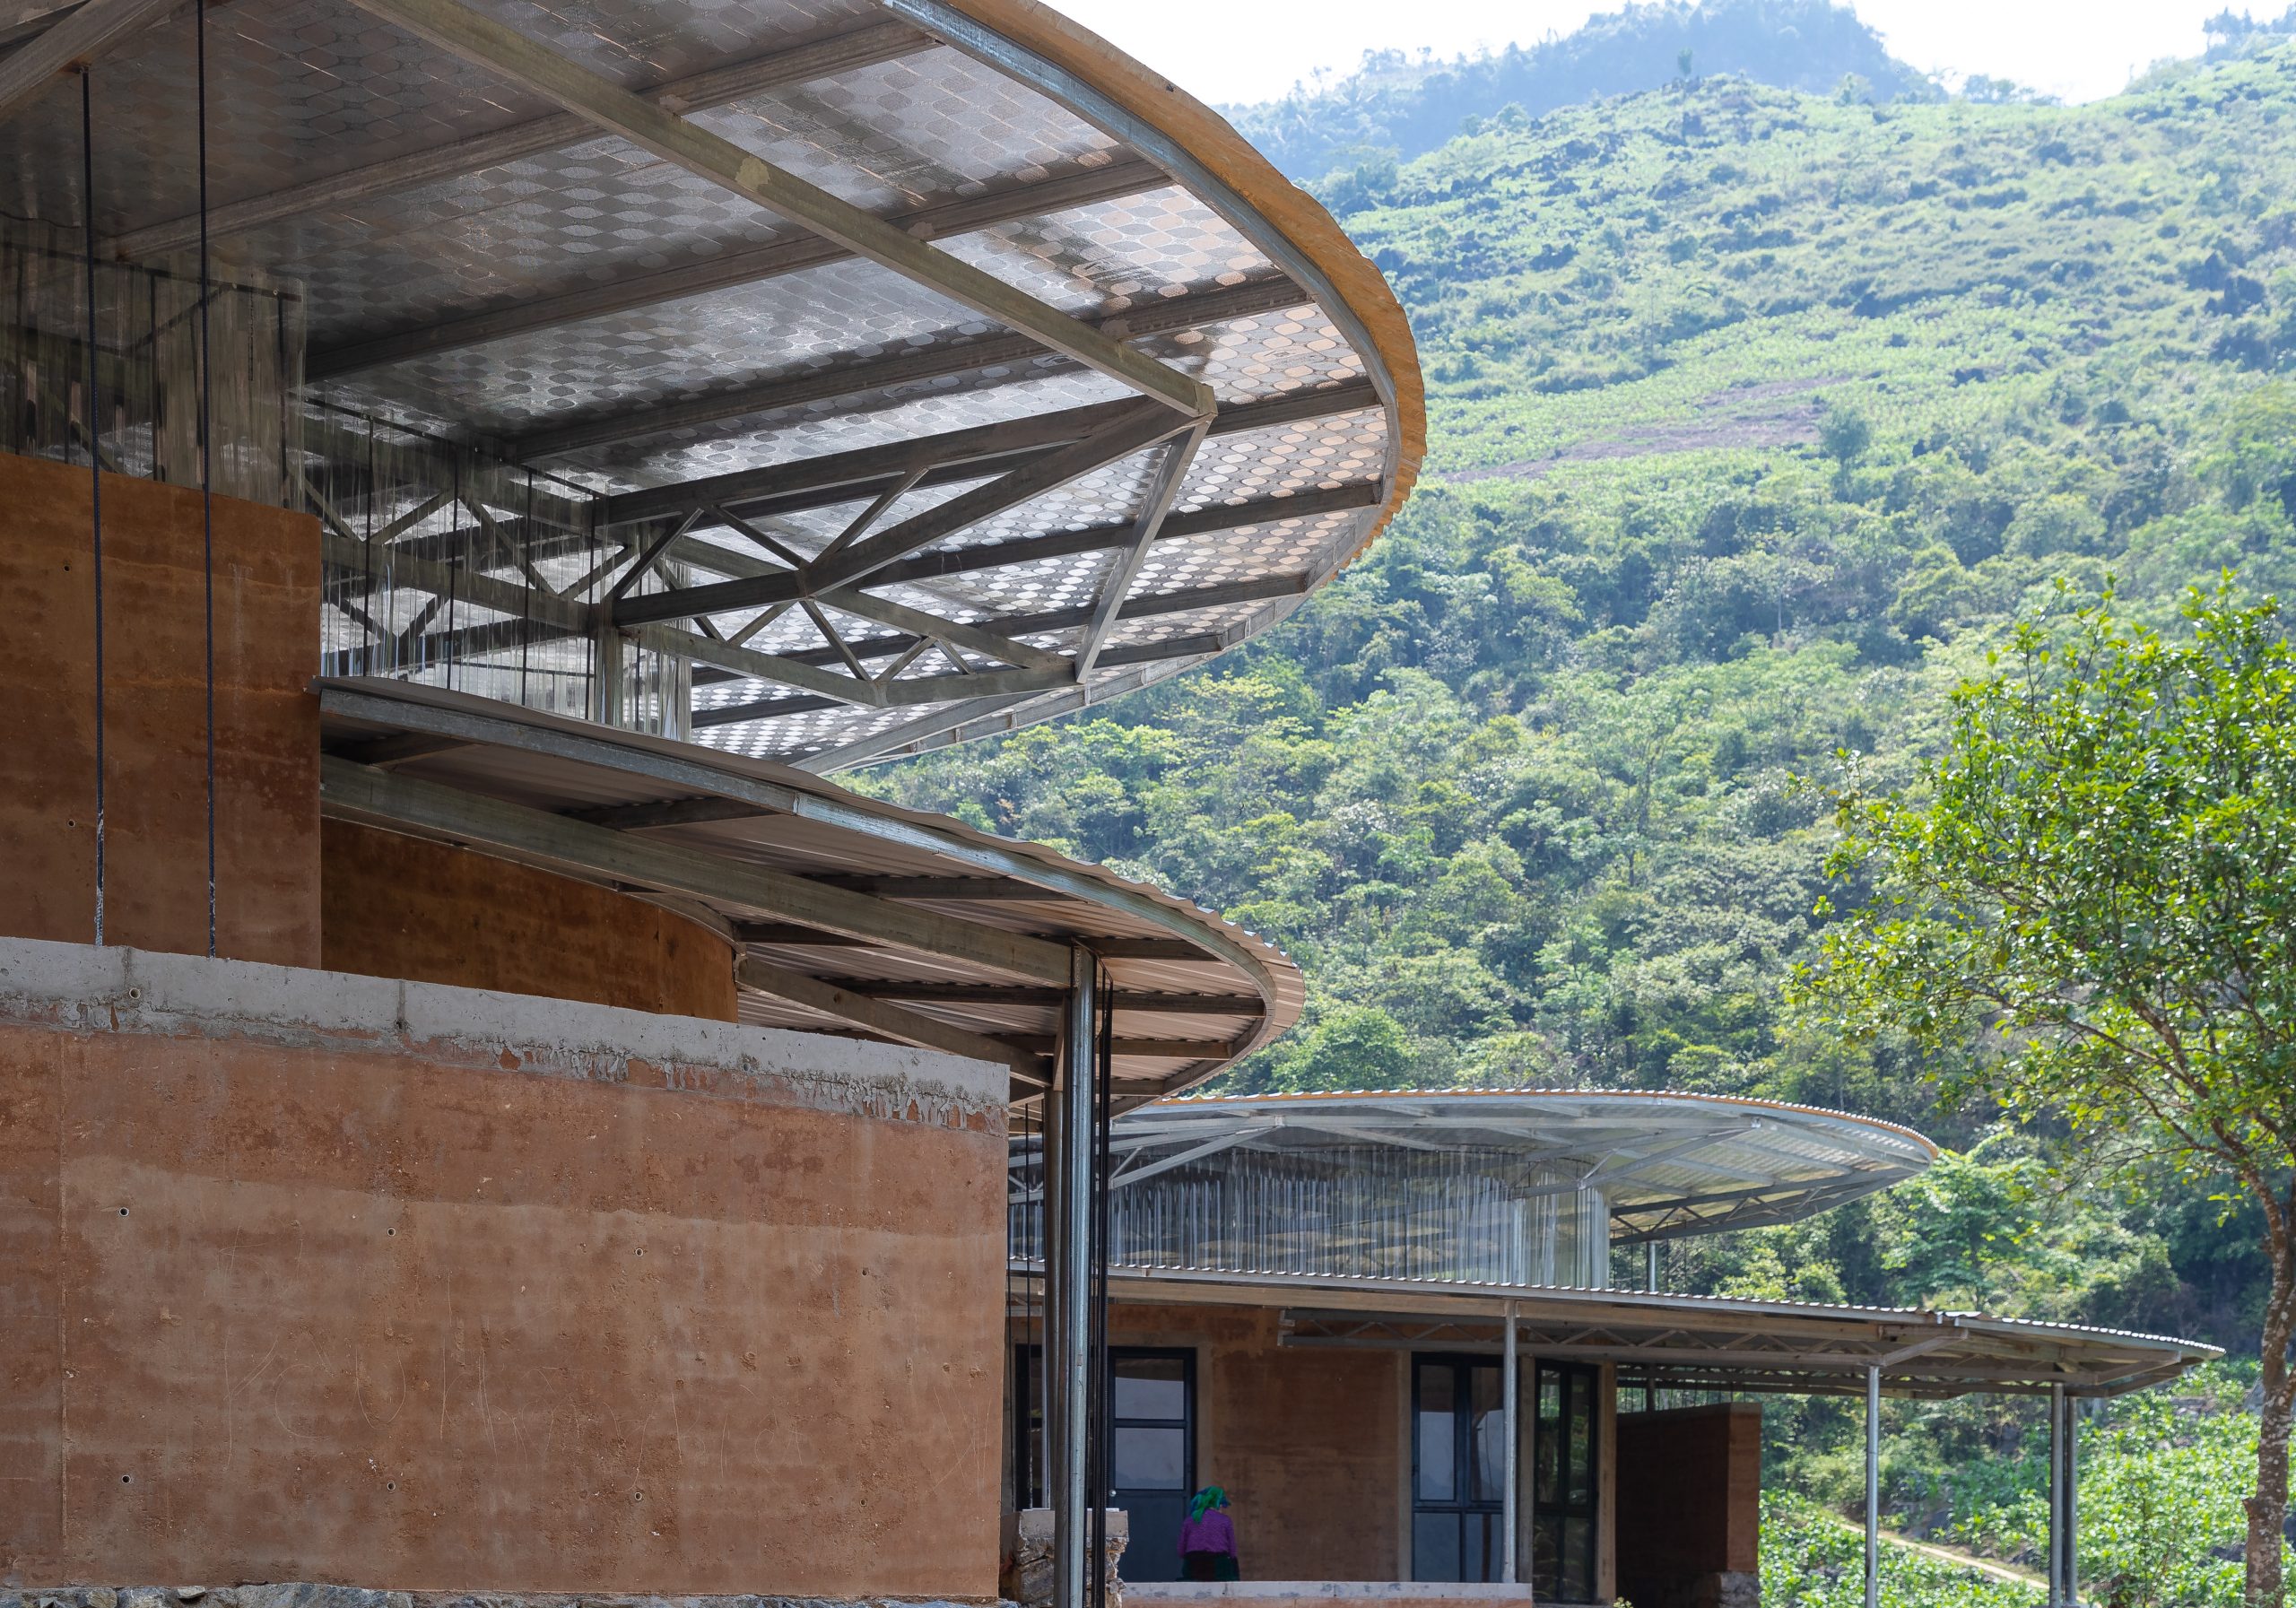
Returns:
(1694, 1342)
(850, 914)
(819, 380)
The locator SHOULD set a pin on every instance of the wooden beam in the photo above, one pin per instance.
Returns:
(402, 569)
(356, 792)
(29, 70)
(999, 994)
(675, 811)
(991, 889)
(1164, 1049)
(1117, 585)
(484, 42)
(1134, 430)
(939, 360)
(956, 456)
(627, 292)
(506, 634)
(855, 47)
(890, 1021)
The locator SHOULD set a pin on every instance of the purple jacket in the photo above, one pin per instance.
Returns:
(1210, 1534)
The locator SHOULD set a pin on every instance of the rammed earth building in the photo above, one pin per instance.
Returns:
(481, 1115)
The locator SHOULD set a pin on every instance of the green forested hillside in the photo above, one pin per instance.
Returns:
(1394, 108)
(1755, 416)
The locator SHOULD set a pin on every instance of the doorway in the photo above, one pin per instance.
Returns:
(1564, 1456)
(1151, 1448)
(1459, 1469)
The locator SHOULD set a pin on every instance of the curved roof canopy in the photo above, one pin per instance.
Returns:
(849, 914)
(819, 380)
(1661, 1166)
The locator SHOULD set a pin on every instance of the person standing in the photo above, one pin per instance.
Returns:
(1208, 1538)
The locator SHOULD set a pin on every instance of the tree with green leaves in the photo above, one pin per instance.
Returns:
(2090, 909)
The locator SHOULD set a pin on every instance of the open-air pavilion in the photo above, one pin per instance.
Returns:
(1386, 1321)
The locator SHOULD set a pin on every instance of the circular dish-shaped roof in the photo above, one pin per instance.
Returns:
(1668, 1165)
(848, 915)
(819, 380)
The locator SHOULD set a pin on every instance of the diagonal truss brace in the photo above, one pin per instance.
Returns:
(486, 43)
(79, 38)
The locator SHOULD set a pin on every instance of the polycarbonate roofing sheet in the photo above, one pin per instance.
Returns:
(1668, 1164)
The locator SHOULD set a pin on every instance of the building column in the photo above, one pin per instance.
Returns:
(1511, 1393)
(2064, 1500)
(1873, 1488)
(1068, 1286)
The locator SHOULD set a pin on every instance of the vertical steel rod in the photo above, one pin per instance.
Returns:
(2061, 1587)
(2072, 1501)
(1510, 1375)
(1873, 1488)
(1650, 1265)
(1069, 1286)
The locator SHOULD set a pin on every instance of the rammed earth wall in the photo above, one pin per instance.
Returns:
(309, 1277)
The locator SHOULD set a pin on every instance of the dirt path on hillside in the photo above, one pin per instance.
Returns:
(1945, 1554)
(1778, 412)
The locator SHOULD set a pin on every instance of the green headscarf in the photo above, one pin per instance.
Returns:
(1207, 1500)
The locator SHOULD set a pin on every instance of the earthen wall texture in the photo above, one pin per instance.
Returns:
(266, 587)
(1306, 1442)
(1688, 1498)
(435, 1319)
(400, 907)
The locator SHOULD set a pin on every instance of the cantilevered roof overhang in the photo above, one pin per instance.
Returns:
(892, 373)
(1683, 1341)
(848, 915)
(1668, 1164)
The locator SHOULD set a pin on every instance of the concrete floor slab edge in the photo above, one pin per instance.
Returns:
(88, 988)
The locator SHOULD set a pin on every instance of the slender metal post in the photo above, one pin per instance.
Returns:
(2063, 1589)
(2072, 1501)
(1069, 1287)
(1509, 1375)
(1873, 1488)
(1650, 1265)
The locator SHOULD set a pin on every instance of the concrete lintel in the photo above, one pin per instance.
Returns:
(80, 988)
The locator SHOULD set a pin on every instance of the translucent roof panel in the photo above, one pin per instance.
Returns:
(1496, 1187)
(877, 375)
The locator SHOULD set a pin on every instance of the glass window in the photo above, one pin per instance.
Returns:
(1435, 1546)
(1150, 1459)
(1459, 1478)
(1151, 1388)
(1437, 1432)
(1563, 1457)
(1490, 1396)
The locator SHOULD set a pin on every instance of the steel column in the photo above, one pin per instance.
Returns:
(1873, 1488)
(1510, 1371)
(2064, 1575)
(2072, 1501)
(1068, 1286)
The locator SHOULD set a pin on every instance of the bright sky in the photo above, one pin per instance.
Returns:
(2078, 49)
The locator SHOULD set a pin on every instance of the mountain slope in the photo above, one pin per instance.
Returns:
(1395, 111)
(1756, 416)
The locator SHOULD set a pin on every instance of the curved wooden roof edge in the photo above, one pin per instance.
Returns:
(1266, 197)
(1282, 987)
